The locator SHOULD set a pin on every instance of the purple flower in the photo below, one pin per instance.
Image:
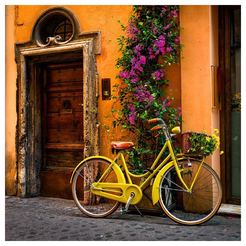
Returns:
(132, 115)
(137, 66)
(132, 29)
(159, 44)
(138, 49)
(166, 103)
(124, 74)
(142, 60)
(177, 40)
(132, 119)
(135, 79)
(137, 63)
(132, 73)
(167, 26)
(133, 60)
(158, 75)
(162, 38)
(164, 8)
(174, 13)
(131, 108)
(143, 95)
(169, 49)
(151, 53)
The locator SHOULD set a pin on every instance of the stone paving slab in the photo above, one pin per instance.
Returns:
(52, 219)
(230, 209)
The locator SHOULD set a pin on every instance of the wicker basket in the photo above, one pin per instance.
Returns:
(186, 144)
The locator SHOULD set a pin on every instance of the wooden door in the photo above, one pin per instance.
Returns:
(62, 126)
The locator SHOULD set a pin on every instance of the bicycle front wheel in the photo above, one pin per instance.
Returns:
(89, 172)
(197, 206)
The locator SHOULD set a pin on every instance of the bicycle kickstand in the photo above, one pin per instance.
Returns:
(138, 210)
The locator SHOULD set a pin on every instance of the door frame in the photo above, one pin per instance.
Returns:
(27, 129)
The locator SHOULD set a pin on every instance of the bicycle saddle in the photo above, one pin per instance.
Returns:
(121, 145)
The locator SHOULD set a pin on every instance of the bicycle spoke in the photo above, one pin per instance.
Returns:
(79, 174)
(172, 189)
(175, 184)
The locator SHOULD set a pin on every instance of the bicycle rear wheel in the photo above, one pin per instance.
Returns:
(88, 173)
(197, 206)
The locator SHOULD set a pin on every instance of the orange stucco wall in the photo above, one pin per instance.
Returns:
(10, 95)
(200, 54)
(195, 74)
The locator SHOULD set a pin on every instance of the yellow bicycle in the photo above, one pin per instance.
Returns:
(188, 190)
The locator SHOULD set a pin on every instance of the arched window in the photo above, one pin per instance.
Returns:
(64, 29)
(55, 26)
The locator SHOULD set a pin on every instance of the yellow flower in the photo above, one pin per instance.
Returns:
(216, 131)
(217, 140)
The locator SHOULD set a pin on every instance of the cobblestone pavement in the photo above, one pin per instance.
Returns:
(43, 219)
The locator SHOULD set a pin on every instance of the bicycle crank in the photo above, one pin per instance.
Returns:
(125, 209)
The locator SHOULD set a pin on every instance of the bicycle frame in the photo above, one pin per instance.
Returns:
(154, 170)
(110, 190)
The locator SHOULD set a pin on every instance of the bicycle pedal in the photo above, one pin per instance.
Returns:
(123, 211)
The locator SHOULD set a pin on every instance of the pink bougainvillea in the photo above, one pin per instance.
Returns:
(152, 33)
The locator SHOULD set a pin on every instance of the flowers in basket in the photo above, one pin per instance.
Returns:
(200, 144)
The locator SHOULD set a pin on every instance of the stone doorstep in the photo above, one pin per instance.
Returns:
(230, 209)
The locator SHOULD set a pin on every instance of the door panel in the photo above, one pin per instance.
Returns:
(63, 126)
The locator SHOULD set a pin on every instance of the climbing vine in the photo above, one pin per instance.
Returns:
(151, 44)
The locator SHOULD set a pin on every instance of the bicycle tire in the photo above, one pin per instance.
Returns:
(88, 203)
(196, 207)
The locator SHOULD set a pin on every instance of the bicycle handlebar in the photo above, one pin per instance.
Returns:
(155, 120)
(155, 128)
(162, 126)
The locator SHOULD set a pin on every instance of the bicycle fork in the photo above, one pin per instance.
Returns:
(179, 171)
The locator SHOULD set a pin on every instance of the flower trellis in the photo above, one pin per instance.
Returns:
(151, 45)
